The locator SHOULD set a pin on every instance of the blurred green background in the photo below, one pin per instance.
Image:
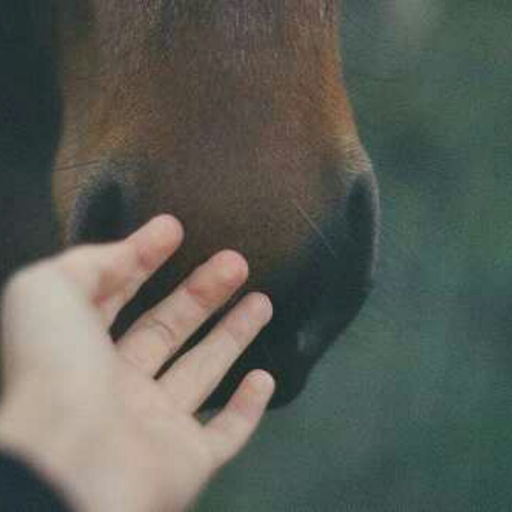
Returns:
(412, 409)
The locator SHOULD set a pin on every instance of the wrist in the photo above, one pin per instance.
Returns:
(29, 432)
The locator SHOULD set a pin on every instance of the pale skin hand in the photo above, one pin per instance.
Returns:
(89, 414)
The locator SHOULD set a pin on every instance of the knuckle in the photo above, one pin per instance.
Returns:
(163, 331)
(143, 258)
(244, 323)
(200, 295)
(236, 337)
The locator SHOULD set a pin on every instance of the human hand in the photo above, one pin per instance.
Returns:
(89, 414)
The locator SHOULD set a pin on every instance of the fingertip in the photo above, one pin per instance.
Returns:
(262, 382)
(262, 307)
(254, 395)
(168, 226)
(235, 424)
(157, 240)
(234, 266)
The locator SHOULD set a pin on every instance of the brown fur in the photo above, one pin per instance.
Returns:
(230, 114)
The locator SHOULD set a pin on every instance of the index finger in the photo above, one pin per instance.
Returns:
(115, 271)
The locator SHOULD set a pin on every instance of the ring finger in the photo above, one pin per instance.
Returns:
(193, 377)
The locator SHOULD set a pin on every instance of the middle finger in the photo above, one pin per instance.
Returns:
(160, 332)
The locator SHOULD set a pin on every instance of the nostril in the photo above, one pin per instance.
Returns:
(100, 214)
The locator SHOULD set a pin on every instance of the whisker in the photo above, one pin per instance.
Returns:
(315, 227)
(71, 167)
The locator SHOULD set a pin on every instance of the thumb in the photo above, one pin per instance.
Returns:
(47, 325)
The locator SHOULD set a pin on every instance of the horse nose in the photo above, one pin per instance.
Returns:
(103, 211)
(362, 220)
(342, 283)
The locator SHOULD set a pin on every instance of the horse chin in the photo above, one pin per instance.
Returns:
(316, 295)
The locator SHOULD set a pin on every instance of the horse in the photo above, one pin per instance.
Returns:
(230, 114)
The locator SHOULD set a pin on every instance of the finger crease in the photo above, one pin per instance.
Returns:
(237, 345)
(164, 331)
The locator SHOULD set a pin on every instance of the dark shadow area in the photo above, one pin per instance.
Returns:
(30, 113)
